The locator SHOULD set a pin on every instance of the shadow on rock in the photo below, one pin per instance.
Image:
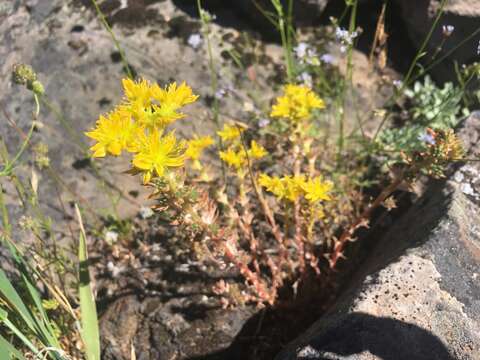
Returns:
(383, 337)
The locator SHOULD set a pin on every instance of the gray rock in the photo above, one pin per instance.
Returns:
(417, 295)
(464, 15)
(77, 63)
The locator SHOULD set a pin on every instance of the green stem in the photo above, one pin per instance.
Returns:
(347, 81)
(407, 79)
(5, 217)
(284, 26)
(114, 39)
(9, 165)
(420, 51)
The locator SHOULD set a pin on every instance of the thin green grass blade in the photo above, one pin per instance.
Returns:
(44, 323)
(9, 351)
(88, 309)
(4, 319)
(10, 295)
(46, 333)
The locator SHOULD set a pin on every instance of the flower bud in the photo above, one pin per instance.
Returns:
(37, 87)
(23, 74)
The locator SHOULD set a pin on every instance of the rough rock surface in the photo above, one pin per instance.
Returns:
(464, 15)
(418, 295)
(81, 71)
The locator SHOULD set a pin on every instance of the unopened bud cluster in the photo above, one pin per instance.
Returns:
(25, 75)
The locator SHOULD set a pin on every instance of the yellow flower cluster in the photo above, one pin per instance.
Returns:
(138, 125)
(296, 104)
(197, 145)
(236, 155)
(195, 148)
(292, 188)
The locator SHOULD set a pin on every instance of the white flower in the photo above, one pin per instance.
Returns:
(111, 237)
(306, 54)
(448, 30)
(146, 212)
(195, 40)
(301, 50)
(398, 84)
(341, 33)
(345, 38)
(263, 122)
(306, 78)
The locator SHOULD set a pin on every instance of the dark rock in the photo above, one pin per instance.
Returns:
(305, 11)
(464, 15)
(417, 295)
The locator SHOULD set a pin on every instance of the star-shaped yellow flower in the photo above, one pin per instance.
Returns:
(196, 146)
(297, 103)
(233, 158)
(230, 132)
(316, 190)
(157, 153)
(113, 133)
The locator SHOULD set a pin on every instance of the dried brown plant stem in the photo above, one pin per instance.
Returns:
(296, 207)
(267, 211)
(253, 278)
(260, 287)
(362, 220)
(245, 225)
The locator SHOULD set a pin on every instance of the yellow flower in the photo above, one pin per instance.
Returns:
(153, 106)
(256, 151)
(158, 153)
(297, 103)
(170, 100)
(317, 190)
(173, 95)
(273, 184)
(230, 132)
(293, 187)
(113, 134)
(287, 187)
(232, 158)
(196, 146)
(137, 92)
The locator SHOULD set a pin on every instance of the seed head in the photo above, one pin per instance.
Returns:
(23, 74)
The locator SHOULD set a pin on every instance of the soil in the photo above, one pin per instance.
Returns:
(163, 304)
(153, 297)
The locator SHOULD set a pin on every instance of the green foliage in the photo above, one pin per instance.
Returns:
(23, 315)
(433, 106)
(430, 107)
(90, 331)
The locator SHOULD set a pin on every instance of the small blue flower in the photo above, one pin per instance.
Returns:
(427, 138)
(327, 58)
